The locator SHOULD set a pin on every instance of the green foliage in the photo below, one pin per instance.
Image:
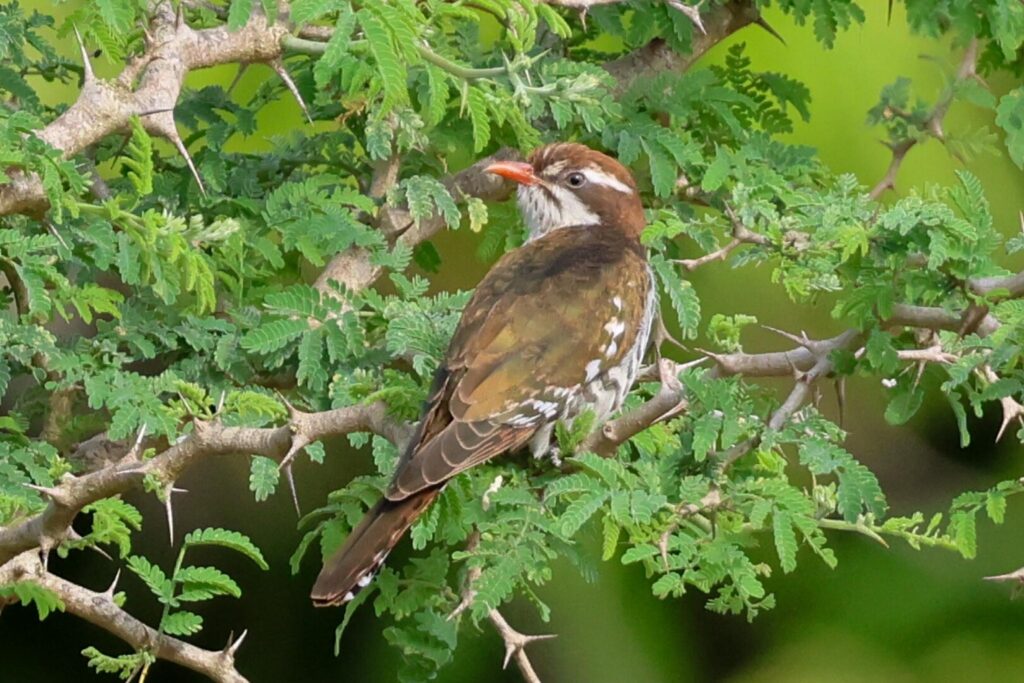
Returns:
(185, 584)
(1010, 117)
(126, 667)
(31, 593)
(200, 306)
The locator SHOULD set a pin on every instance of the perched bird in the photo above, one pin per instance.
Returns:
(557, 326)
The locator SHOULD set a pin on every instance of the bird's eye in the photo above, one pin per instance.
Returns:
(576, 179)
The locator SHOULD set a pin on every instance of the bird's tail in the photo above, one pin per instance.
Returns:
(354, 565)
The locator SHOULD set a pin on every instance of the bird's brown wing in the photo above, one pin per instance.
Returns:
(544, 321)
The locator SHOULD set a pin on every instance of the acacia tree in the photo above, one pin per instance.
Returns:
(227, 303)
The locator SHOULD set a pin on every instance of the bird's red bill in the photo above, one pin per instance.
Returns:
(517, 171)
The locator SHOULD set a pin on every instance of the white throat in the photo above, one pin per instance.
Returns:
(542, 215)
(551, 205)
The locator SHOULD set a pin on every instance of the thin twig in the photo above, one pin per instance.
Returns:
(102, 610)
(932, 125)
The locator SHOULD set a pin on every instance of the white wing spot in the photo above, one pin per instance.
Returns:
(616, 327)
(593, 367)
(611, 350)
(617, 302)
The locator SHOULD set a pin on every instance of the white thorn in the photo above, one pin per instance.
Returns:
(278, 67)
(86, 64)
(162, 123)
(169, 507)
(53, 231)
(220, 401)
(113, 586)
(692, 13)
(176, 141)
(291, 485)
(137, 447)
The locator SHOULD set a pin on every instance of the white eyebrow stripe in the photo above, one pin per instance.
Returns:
(555, 168)
(599, 177)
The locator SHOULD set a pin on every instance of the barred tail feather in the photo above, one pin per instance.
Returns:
(354, 565)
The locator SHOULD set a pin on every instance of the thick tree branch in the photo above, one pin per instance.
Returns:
(1013, 285)
(515, 645)
(657, 57)
(802, 389)
(50, 527)
(101, 610)
(149, 87)
(668, 402)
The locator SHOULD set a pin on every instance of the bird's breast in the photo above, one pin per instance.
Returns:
(607, 385)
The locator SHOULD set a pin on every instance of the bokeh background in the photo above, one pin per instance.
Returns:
(883, 615)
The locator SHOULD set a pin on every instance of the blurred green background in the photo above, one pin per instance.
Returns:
(883, 615)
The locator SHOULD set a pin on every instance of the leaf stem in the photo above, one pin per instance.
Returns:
(317, 48)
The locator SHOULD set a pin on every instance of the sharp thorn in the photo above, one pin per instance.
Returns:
(87, 71)
(1002, 428)
(298, 443)
(510, 650)
(1017, 575)
(176, 140)
(56, 233)
(293, 412)
(112, 588)
(188, 407)
(760, 21)
(75, 536)
(291, 485)
(692, 13)
(137, 446)
(278, 67)
(169, 507)
(800, 341)
(53, 493)
(242, 66)
(232, 648)
(151, 112)
(220, 401)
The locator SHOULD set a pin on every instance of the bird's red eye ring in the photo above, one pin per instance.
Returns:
(575, 179)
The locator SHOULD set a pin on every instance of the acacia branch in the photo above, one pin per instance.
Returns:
(50, 527)
(149, 87)
(101, 610)
(1013, 285)
(668, 402)
(657, 57)
(932, 126)
(741, 234)
(515, 642)
(353, 268)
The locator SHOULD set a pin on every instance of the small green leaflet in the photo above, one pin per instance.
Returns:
(227, 539)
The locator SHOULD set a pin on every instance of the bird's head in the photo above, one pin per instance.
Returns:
(566, 185)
